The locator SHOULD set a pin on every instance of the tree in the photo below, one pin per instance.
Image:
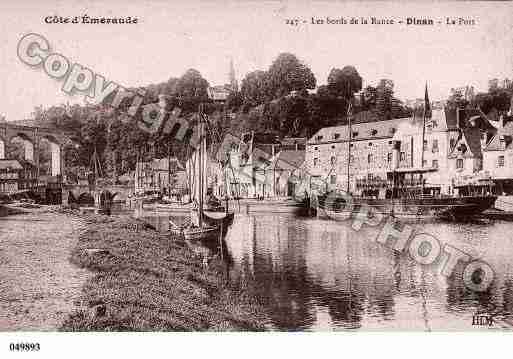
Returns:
(234, 101)
(384, 98)
(369, 97)
(191, 89)
(344, 83)
(457, 98)
(254, 88)
(288, 74)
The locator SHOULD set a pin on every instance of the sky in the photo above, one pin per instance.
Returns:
(172, 37)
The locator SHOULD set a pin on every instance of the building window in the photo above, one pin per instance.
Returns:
(451, 142)
(333, 159)
(374, 132)
(370, 144)
(435, 146)
(369, 158)
(434, 123)
(500, 161)
(459, 163)
(424, 162)
(435, 163)
(389, 157)
(316, 161)
(319, 138)
(351, 158)
(333, 179)
(355, 133)
(402, 156)
(336, 136)
(332, 147)
(316, 148)
(425, 145)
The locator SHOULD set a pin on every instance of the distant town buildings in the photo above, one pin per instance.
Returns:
(16, 176)
(160, 174)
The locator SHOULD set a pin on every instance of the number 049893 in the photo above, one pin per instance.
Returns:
(24, 347)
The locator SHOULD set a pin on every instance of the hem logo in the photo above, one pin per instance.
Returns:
(482, 320)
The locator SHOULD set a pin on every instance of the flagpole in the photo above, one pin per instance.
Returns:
(349, 115)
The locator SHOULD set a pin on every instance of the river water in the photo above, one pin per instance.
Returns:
(313, 274)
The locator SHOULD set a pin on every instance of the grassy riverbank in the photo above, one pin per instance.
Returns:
(146, 282)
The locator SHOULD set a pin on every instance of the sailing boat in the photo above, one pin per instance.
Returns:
(104, 200)
(204, 224)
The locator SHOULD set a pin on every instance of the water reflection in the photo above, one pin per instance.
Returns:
(315, 274)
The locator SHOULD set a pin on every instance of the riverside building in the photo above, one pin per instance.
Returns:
(451, 152)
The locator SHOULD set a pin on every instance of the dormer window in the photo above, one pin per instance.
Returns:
(500, 161)
(462, 148)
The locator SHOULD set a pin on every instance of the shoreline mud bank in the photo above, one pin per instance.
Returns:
(144, 280)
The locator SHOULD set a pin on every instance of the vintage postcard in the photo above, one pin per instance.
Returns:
(255, 166)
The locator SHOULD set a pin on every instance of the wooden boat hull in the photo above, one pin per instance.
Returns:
(214, 222)
(445, 207)
(218, 218)
(196, 234)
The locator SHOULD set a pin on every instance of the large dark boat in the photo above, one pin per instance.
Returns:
(333, 205)
(406, 194)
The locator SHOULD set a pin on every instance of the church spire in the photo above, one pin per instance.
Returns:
(233, 81)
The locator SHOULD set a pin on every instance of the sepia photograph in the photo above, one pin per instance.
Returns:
(243, 167)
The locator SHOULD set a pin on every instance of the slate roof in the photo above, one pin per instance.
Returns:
(10, 164)
(494, 144)
(472, 137)
(287, 160)
(465, 116)
(361, 131)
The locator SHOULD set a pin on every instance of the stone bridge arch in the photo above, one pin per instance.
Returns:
(28, 142)
(31, 137)
(2, 147)
(55, 152)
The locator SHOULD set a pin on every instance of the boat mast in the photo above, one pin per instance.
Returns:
(350, 135)
(426, 105)
(200, 167)
(169, 169)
